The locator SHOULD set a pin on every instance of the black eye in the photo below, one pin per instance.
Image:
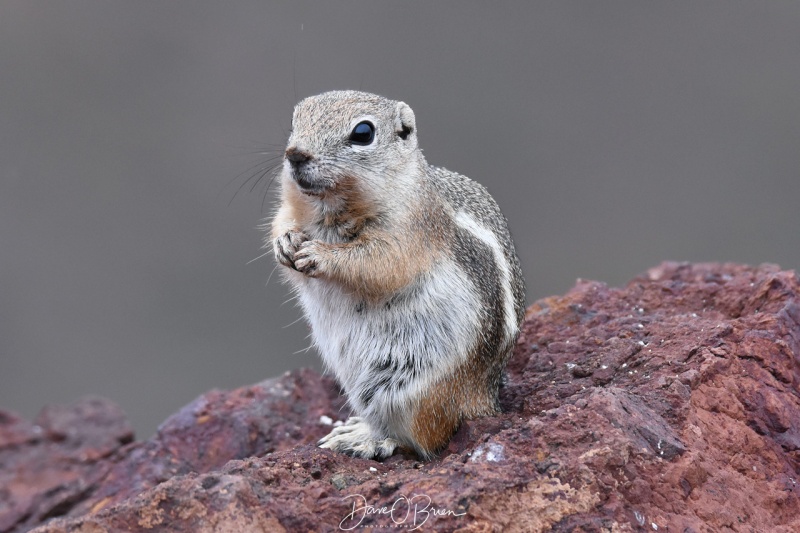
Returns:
(363, 134)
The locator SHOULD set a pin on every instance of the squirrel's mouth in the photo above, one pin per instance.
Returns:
(312, 186)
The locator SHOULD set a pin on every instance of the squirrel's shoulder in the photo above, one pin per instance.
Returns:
(466, 195)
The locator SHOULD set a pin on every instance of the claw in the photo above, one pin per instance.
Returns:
(306, 259)
(355, 438)
(287, 245)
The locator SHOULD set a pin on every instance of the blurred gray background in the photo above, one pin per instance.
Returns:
(614, 135)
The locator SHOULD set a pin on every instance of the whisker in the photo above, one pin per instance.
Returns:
(304, 350)
(270, 274)
(259, 257)
(261, 173)
(290, 299)
(293, 323)
(260, 151)
(273, 155)
(261, 168)
(266, 191)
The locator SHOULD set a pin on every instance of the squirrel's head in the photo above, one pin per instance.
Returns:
(343, 140)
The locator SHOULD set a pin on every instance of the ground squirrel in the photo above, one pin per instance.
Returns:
(406, 273)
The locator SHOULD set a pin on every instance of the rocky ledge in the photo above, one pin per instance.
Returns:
(668, 405)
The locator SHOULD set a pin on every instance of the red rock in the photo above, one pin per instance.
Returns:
(670, 404)
(49, 467)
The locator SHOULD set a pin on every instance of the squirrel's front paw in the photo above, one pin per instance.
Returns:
(308, 259)
(286, 247)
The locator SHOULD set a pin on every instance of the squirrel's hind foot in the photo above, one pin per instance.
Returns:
(355, 438)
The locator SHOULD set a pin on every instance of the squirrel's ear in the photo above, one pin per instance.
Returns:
(404, 122)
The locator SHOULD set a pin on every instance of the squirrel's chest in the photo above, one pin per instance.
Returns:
(432, 323)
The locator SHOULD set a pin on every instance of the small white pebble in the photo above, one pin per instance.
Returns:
(328, 421)
(654, 526)
(373, 469)
(603, 366)
(490, 452)
(624, 365)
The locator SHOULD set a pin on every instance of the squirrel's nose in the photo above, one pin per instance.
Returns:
(297, 155)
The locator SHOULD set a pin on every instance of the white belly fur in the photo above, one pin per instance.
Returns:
(433, 328)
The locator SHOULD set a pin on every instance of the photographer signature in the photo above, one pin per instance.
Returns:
(404, 512)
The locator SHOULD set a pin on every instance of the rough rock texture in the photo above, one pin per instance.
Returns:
(76, 460)
(671, 404)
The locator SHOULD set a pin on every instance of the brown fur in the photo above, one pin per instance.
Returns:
(401, 252)
(437, 414)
